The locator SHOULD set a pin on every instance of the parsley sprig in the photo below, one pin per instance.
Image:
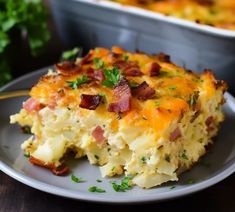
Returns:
(96, 189)
(124, 186)
(70, 54)
(77, 179)
(98, 63)
(79, 81)
(112, 76)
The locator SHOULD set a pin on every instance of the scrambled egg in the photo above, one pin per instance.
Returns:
(154, 140)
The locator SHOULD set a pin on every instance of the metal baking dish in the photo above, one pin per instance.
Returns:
(91, 23)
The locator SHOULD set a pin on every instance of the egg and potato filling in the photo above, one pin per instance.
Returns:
(129, 113)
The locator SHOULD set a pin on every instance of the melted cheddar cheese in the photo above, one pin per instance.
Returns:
(154, 139)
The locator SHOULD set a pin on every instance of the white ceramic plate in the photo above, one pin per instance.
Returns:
(221, 158)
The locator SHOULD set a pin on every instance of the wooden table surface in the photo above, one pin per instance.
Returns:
(15, 196)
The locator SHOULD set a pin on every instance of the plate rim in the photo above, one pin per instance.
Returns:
(228, 170)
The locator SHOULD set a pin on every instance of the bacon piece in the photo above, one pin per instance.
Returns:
(163, 57)
(98, 134)
(68, 68)
(205, 2)
(87, 59)
(155, 69)
(60, 170)
(90, 102)
(122, 98)
(129, 68)
(32, 105)
(95, 74)
(210, 123)
(143, 91)
(175, 134)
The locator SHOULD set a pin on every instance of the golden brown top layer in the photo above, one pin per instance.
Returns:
(218, 13)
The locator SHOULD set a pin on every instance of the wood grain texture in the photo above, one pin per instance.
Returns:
(17, 197)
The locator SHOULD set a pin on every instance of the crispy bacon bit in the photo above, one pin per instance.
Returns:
(143, 91)
(122, 98)
(175, 134)
(90, 102)
(95, 74)
(68, 68)
(205, 2)
(163, 57)
(32, 105)
(87, 59)
(98, 134)
(155, 69)
(210, 123)
(129, 68)
(60, 170)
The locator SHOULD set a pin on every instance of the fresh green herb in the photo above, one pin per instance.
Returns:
(172, 187)
(124, 186)
(99, 181)
(112, 76)
(163, 73)
(79, 81)
(144, 159)
(98, 63)
(77, 179)
(97, 51)
(125, 57)
(191, 181)
(27, 154)
(157, 104)
(193, 98)
(96, 189)
(114, 167)
(18, 17)
(205, 163)
(109, 149)
(133, 84)
(26, 130)
(173, 87)
(102, 94)
(70, 54)
(183, 155)
(97, 157)
(168, 158)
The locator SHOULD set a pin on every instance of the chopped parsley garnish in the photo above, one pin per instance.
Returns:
(102, 94)
(79, 81)
(98, 63)
(96, 189)
(114, 167)
(173, 87)
(124, 186)
(157, 104)
(143, 159)
(183, 155)
(191, 181)
(97, 51)
(99, 181)
(133, 84)
(172, 187)
(193, 98)
(97, 157)
(112, 76)
(77, 179)
(168, 158)
(71, 54)
(125, 57)
(26, 154)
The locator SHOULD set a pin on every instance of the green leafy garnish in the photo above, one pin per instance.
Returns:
(98, 63)
(96, 189)
(70, 54)
(191, 181)
(77, 179)
(27, 154)
(193, 98)
(96, 157)
(173, 87)
(99, 181)
(114, 167)
(133, 84)
(183, 155)
(172, 187)
(143, 159)
(124, 186)
(125, 57)
(112, 76)
(168, 158)
(79, 81)
(157, 104)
